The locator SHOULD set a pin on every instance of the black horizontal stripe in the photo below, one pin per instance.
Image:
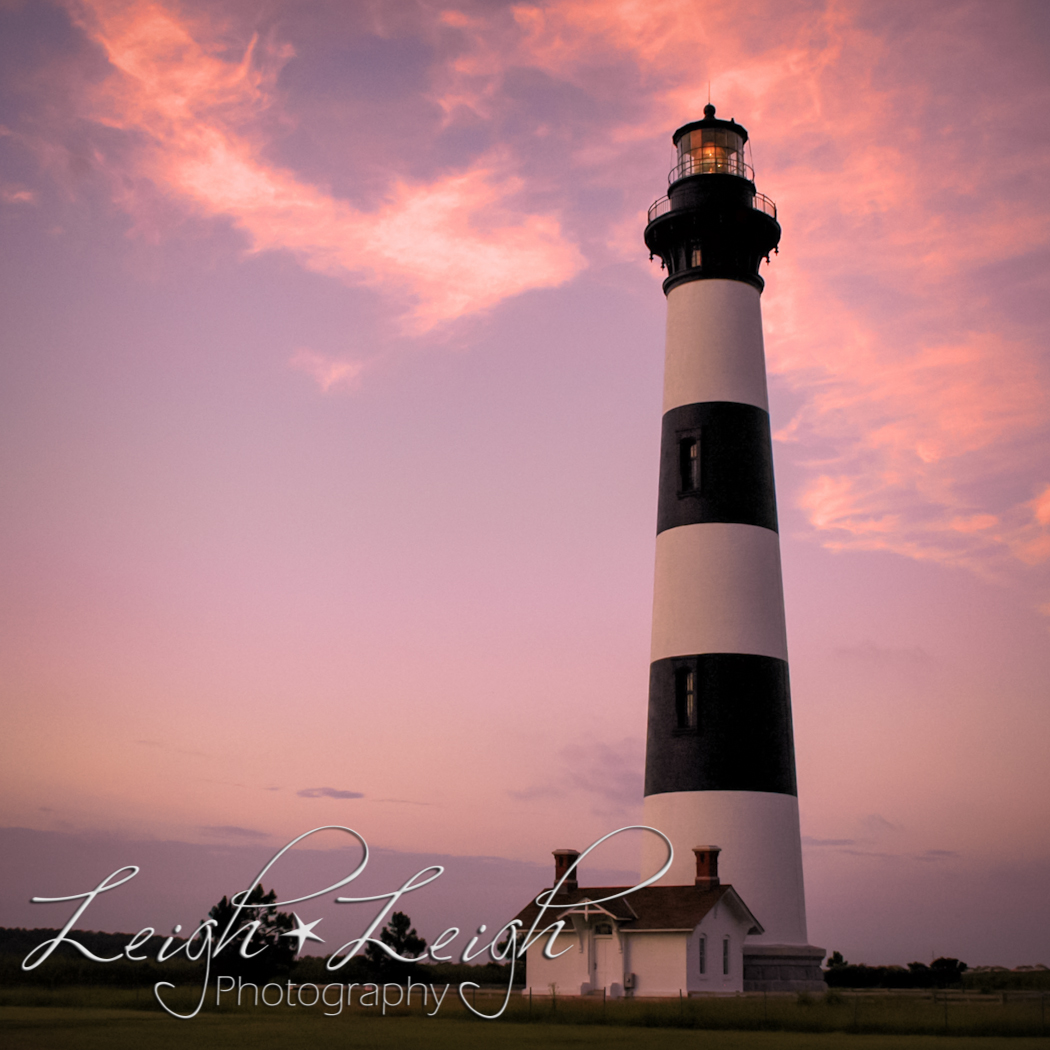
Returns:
(736, 466)
(742, 740)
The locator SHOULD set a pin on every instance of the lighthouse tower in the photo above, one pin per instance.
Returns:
(720, 757)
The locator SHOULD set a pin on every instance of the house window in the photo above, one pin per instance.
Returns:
(603, 929)
(703, 954)
(685, 697)
(725, 955)
(689, 465)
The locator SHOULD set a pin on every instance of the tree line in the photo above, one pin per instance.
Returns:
(278, 960)
(941, 973)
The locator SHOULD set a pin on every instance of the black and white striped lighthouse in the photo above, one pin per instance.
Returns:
(720, 759)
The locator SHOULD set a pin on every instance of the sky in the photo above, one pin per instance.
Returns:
(330, 398)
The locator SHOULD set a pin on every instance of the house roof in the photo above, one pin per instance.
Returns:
(654, 908)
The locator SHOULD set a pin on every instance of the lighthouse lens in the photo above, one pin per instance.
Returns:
(711, 151)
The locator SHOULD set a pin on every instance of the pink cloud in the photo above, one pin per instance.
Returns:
(329, 372)
(1033, 544)
(913, 435)
(17, 195)
(454, 246)
(917, 399)
(1041, 507)
(918, 396)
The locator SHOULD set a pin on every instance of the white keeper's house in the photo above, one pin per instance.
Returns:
(657, 941)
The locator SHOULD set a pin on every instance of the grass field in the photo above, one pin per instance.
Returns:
(79, 1028)
(83, 1018)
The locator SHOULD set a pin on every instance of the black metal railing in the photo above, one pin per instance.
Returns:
(760, 202)
(660, 207)
(720, 163)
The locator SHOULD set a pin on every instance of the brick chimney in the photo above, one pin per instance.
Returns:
(563, 860)
(706, 866)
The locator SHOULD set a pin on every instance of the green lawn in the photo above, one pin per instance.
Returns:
(83, 1018)
(71, 1028)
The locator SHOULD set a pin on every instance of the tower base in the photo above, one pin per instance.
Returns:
(761, 856)
(783, 968)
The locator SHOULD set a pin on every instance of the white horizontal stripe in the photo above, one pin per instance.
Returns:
(761, 856)
(718, 589)
(714, 345)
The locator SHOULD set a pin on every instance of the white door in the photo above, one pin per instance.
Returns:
(604, 951)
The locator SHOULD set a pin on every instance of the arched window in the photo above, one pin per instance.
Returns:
(685, 697)
(703, 953)
(725, 955)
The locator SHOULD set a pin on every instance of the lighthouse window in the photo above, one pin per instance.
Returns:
(711, 151)
(685, 697)
(697, 260)
(725, 955)
(703, 954)
(688, 465)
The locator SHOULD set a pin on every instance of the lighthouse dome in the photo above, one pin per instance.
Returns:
(710, 147)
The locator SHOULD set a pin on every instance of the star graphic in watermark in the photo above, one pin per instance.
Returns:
(304, 931)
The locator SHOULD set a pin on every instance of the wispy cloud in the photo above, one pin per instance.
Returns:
(327, 792)
(869, 652)
(903, 314)
(536, 792)
(610, 774)
(454, 245)
(877, 823)
(328, 372)
(17, 195)
(934, 855)
(922, 425)
(231, 831)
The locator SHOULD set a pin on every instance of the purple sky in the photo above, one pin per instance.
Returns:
(329, 422)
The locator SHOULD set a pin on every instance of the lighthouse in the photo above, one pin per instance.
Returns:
(720, 758)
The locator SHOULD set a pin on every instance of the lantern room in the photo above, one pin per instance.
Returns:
(710, 147)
